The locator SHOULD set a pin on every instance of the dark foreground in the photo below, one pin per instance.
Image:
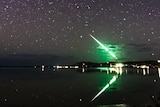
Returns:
(32, 87)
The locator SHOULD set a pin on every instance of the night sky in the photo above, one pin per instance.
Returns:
(129, 28)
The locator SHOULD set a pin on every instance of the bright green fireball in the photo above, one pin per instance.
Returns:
(103, 46)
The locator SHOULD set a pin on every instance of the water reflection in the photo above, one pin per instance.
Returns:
(115, 105)
(144, 71)
(159, 72)
(114, 78)
(118, 71)
(123, 70)
(83, 69)
(133, 85)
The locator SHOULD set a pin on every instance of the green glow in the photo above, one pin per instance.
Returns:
(105, 87)
(105, 48)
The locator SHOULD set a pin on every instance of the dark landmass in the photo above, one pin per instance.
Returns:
(32, 60)
(51, 60)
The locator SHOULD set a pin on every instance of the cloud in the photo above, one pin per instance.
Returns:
(141, 47)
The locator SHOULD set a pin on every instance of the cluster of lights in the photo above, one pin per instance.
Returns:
(59, 67)
(141, 66)
(65, 67)
(144, 66)
(119, 65)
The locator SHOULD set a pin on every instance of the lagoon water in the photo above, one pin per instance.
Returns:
(72, 87)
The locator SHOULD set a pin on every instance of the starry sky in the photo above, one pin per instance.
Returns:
(130, 28)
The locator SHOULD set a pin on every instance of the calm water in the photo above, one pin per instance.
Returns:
(29, 86)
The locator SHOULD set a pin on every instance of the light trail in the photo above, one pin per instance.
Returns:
(114, 77)
(105, 48)
(105, 87)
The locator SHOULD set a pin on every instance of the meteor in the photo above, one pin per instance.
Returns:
(105, 87)
(105, 48)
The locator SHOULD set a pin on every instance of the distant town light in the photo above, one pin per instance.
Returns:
(119, 65)
(35, 66)
(66, 67)
(43, 68)
(158, 61)
(76, 67)
(58, 66)
(143, 66)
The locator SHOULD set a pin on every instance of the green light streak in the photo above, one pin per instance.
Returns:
(105, 87)
(105, 48)
(114, 77)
